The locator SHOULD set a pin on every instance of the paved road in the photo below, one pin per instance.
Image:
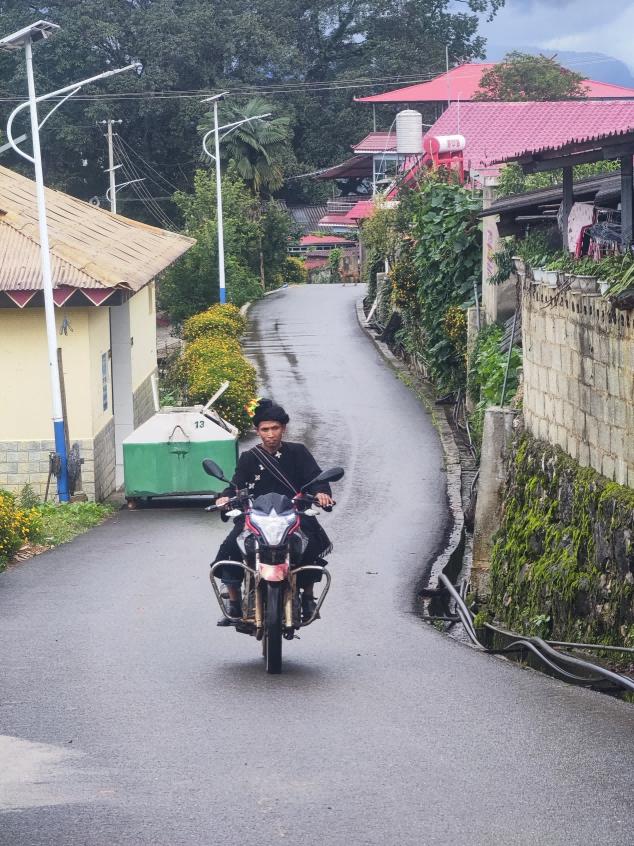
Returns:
(129, 718)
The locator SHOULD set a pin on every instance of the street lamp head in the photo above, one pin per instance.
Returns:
(33, 32)
(215, 97)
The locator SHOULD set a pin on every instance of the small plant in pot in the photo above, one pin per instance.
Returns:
(556, 269)
(615, 274)
(584, 276)
(534, 251)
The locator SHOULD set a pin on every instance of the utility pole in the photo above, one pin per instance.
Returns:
(111, 164)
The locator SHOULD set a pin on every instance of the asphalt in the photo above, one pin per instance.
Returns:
(127, 717)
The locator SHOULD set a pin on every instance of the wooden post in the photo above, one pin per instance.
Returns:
(568, 200)
(627, 197)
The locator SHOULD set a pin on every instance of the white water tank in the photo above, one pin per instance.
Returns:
(409, 132)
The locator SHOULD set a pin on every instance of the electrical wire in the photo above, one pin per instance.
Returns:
(131, 172)
(166, 183)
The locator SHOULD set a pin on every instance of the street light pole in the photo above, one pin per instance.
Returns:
(219, 221)
(216, 158)
(47, 282)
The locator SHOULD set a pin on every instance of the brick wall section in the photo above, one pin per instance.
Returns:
(143, 401)
(101, 470)
(25, 463)
(579, 378)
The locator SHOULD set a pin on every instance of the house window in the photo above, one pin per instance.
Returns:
(104, 380)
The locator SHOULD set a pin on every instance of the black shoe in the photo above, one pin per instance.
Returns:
(309, 604)
(234, 609)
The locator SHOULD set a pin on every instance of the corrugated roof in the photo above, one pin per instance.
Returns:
(306, 217)
(606, 185)
(498, 131)
(362, 210)
(90, 247)
(461, 83)
(356, 167)
(585, 142)
(377, 142)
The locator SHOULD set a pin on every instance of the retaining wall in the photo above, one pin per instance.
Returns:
(579, 378)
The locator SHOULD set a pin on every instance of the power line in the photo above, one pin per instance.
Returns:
(131, 173)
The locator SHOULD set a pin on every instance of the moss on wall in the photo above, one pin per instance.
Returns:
(563, 560)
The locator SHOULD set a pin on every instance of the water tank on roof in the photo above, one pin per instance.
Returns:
(409, 132)
(444, 144)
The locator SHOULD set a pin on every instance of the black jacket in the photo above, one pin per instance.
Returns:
(295, 462)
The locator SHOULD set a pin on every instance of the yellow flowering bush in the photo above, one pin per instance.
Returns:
(221, 319)
(209, 361)
(17, 526)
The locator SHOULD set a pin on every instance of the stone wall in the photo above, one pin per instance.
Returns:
(102, 466)
(26, 463)
(579, 378)
(143, 401)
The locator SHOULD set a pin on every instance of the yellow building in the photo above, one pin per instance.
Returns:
(104, 267)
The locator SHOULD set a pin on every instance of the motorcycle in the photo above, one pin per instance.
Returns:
(272, 544)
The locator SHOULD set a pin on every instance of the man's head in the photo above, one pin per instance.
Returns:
(270, 423)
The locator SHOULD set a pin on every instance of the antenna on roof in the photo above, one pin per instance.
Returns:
(448, 80)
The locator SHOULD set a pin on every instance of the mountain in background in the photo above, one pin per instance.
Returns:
(595, 66)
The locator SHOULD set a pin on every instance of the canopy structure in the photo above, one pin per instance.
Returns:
(615, 145)
(95, 255)
(463, 82)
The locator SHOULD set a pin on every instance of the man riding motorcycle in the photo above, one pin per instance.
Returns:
(274, 466)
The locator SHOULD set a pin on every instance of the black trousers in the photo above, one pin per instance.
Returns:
(318, 545)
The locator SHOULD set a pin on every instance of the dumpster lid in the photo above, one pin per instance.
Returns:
(190, 422)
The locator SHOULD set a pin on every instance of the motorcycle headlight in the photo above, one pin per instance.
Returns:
(273, 526)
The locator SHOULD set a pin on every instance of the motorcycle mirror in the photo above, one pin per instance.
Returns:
(212, 469)
(332, 475)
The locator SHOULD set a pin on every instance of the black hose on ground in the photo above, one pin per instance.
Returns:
(596, 676)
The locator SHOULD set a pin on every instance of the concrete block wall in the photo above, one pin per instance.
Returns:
(26, 463)
(143, 401)
(579, 378)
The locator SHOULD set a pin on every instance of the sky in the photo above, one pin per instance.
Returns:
(582, 25)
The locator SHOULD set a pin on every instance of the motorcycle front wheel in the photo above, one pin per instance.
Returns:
(273, 627)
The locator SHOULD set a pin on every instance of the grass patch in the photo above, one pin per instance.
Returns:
(61, 523)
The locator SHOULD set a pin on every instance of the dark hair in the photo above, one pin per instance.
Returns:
(268, 410)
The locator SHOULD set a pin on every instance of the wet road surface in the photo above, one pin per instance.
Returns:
(127, 717)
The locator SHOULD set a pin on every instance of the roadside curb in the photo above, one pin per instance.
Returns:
(245, 308)
(453, 467)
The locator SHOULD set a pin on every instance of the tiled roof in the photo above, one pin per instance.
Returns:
(90, 247)
(377, 142)
(336, 221)
(498, 131)
(579, 143)
(461, 83)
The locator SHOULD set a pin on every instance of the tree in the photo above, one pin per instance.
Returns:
(192, 284)
(256, 148)
(520, 76)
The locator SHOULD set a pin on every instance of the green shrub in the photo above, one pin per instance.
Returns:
(17, 526)
(206, 363)
(220, 319)
(294, 271)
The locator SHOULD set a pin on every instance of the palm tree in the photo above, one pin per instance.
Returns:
(255, 148)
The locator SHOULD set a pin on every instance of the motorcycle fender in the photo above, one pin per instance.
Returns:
(273, 572)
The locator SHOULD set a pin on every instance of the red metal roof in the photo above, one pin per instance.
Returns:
(377, 142)
(361, 210)
(320, 240)
(461, 83)
(574, 145)
(336, 220)
(498, 131)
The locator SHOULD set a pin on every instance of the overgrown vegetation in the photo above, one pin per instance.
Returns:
(24, 521)
(513, 180)
(212, 356)
(563, 561)
(486, 375)
(441, 219)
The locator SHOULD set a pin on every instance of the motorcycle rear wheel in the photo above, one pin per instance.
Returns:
(273, 628)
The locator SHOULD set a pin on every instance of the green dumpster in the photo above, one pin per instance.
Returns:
(164, 456)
